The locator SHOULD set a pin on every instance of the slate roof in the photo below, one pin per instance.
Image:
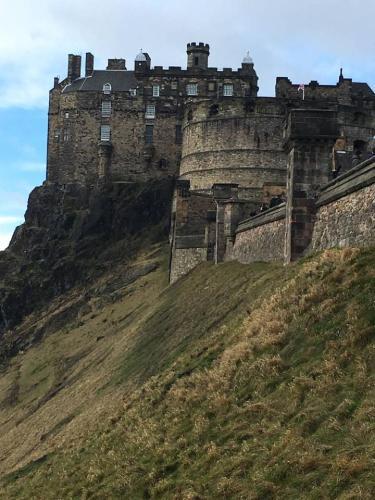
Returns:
(362, 89)
(120, 80)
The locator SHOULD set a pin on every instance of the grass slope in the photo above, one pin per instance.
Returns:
(237, 382)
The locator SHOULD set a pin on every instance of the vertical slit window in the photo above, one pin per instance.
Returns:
(155, 90)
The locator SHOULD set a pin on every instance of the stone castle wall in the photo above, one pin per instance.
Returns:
(234, 141)
(75, 118)
(261, 238)
(346, 210)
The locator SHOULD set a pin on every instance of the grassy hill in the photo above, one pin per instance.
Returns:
(239, 381)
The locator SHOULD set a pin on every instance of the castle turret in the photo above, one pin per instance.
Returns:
(142, 62)
(197, 55)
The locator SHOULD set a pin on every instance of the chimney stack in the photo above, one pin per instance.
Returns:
(74, 67)
(89, 64)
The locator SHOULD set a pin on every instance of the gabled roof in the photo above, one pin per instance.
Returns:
(120, 80)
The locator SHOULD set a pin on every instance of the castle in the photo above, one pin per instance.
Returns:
(251, 171)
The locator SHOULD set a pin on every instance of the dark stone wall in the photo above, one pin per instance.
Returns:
(75, 120)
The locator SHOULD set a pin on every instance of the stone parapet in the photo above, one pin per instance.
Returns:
(271, 215)
(357, 178)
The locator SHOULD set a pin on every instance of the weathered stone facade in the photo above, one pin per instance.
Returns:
(127, 125)
(234, 153)
(261, 238)
(346, 213)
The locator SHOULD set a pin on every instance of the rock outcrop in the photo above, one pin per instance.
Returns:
(73, 233)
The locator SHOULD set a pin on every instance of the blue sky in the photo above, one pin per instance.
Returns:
(304, 40)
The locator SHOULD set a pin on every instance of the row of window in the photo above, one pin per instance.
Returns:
(105, 134)
(107, 110)
(191, 89)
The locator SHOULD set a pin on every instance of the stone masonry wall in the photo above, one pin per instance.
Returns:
(260, 238)
(346, 214)
(232, 141)
(184, 260)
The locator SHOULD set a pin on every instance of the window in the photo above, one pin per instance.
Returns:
(211, 86)
(66, 115)
(149, 135)
(66, 135)
(196, 61)
(106, 109)
(178, 137)
(105, 133)
(192, 89)
(155, 91)
(133, 92)
(174, 85)
(228, 90)
(57, 135)
(150, 111)
(107, 87)
(163, 163)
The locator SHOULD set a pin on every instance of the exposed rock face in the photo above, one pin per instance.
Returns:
(72, 233)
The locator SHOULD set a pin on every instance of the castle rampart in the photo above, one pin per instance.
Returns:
(346, 210)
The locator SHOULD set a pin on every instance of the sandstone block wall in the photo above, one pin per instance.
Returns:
(260, 238)
(346, 210)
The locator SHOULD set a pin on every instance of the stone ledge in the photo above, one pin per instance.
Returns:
(271, 215)
(194, 241)
(355, 179)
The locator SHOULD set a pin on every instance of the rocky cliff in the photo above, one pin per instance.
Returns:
(73, 233)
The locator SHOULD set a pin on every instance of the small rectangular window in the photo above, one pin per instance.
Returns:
(178, 134)
(149, 134)
(106, 109)
(57, 135)
(192, 89)
(133, 92)
(66, 115)
(211, 86)
(150, 111)
(228, 90)
(105, 133)
(174, 85)
(66, 135)
(155, 91)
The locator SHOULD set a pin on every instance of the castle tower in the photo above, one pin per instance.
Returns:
(197, 55)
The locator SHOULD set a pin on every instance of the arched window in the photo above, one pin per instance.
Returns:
(107, 87)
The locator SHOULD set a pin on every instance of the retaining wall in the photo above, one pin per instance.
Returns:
(260, 238)
(346, 210)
